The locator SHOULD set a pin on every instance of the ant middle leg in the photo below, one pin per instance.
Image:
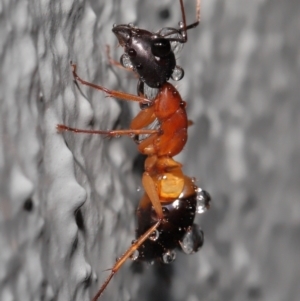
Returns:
(136, 128)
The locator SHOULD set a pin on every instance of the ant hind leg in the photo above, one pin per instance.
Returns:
(125, 256)
(151, 191)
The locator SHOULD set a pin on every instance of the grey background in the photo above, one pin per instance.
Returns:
(67, 201)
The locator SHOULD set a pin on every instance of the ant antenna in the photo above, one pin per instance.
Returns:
(183, 27)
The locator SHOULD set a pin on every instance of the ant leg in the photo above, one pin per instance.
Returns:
(62, 127)
(110, 93)
(151, 191)
(143, 118)
(125, 256)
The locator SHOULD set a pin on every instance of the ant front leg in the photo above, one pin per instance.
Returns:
(113, 133)
(110, 93)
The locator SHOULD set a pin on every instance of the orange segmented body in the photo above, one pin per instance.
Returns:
(169, 109)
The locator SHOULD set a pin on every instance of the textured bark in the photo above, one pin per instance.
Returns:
(67, 201)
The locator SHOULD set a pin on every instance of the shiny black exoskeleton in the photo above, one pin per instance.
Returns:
(176, 231)
(149, 54)
(152, 55)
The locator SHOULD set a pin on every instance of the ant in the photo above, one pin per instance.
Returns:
(166, 212)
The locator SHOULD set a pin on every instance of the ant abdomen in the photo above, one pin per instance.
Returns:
(179, 216)
(177, 230)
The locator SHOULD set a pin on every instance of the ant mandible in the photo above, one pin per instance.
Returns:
(166, 212)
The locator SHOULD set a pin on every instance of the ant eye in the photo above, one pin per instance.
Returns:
(131, 52)
(161, 47)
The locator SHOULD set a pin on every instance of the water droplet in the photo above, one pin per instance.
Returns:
(169, 256)
(135, 255)
(178, 73)
(187, 243)
(203, 201)
(193, 240)
(94, 277)
(154, 235)
(125, 61)
(139, 188)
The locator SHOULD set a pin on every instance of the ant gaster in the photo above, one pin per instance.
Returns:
(166, 212)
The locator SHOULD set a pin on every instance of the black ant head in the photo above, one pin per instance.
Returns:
(149, 54)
